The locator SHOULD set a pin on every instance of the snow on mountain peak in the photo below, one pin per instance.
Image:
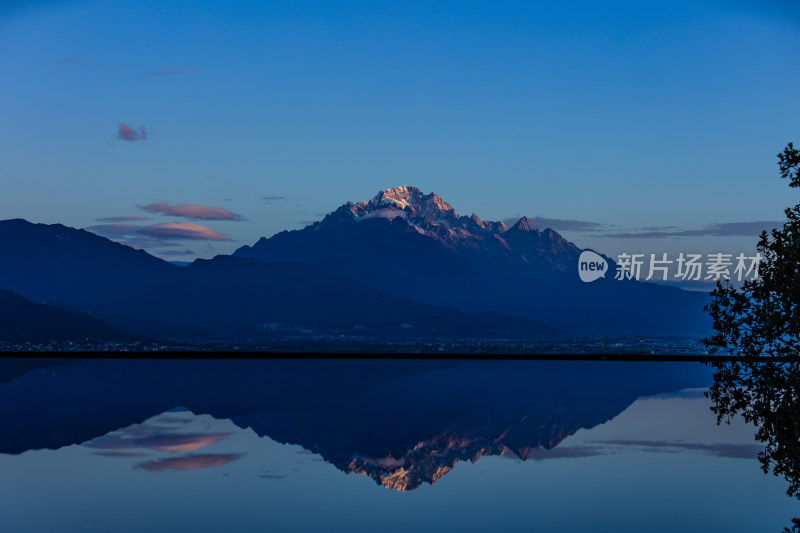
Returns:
(410, 199)
(428, 214)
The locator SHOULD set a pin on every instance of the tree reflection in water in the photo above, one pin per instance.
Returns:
(762, 319)
(767, 395)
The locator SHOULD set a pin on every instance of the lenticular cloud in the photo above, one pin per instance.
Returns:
(182, 230)
(198, 212)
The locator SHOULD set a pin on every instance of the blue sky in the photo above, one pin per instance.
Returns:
(627, 114)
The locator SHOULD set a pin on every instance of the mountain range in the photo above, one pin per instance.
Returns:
(225, 297)
(401, 264)
(409, 244)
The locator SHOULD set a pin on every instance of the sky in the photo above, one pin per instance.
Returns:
(193, 128)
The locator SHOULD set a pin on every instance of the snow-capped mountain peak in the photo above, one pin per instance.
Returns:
(428, 214)
(413, 201)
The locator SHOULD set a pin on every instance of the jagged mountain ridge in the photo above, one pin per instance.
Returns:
(521, 249)
(228, 297)
(415, 245)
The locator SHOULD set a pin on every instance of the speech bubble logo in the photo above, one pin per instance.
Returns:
(591, 266)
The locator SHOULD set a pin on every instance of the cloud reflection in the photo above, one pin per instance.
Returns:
(166, 433)
(732, 451)
(180, 443)
(190, 462)
(120, 454)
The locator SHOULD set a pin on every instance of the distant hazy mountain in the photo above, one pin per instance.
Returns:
(76, 269)
(410, 244)
(22, 320)
(224, 297)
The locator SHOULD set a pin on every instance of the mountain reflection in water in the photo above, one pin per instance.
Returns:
(255, 445)
(402, 423)
(247, 445)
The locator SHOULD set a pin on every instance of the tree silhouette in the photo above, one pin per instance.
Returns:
(762, 318)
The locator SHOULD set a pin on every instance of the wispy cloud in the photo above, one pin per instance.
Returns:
(120, 454)
(114, 231)
(179, 442)
(270, 200)
(71, 60)
(604, 447)
(165, 433)
(111, 441)
(560, 224)
(190, 462)
(197, 212)
(564, 452)
(122, 219)
(168, 71)
(175, 253)
(599, 229)
(157, 235)
(721, 229)
(730, 450)
(182, 230)
(273, 474)
(129, 134)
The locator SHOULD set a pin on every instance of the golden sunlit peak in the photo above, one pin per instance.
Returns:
(411, 198)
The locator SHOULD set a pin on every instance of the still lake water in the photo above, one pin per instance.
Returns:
(348, 445)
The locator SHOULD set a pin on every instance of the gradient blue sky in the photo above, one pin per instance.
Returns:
(629, 114)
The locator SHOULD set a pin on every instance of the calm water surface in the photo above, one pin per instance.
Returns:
(125, 445)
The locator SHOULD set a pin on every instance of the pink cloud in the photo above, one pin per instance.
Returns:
(180, 442)
(198, 212)
(190, 462)
(182, 230)
(126, 133)
(157, 235)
